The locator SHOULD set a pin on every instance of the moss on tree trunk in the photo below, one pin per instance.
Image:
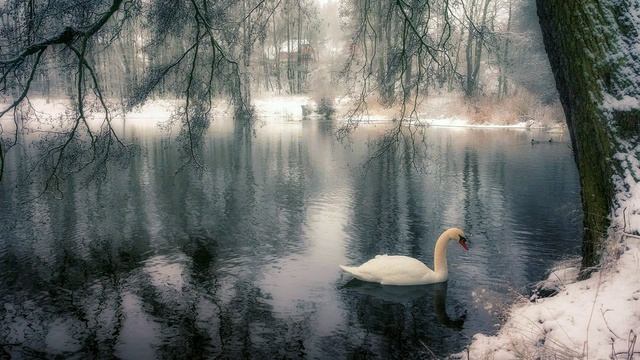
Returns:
(580, 38)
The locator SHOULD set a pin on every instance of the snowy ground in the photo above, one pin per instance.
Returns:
(461, 122)
(592, 319)
(289, 108)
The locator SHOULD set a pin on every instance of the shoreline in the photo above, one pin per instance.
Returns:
(292, 108)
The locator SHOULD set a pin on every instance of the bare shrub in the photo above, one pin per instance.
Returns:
(520, 107)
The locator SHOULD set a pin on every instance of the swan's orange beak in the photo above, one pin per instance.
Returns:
(463, 243)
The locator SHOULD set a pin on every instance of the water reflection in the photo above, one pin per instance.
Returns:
(240, 260)
(409, 295)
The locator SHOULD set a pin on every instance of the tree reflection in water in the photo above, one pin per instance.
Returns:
(240, 260)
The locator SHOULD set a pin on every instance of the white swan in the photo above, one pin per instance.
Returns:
(404, 270)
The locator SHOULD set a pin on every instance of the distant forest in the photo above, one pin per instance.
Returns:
(109, 57)
(394, 49)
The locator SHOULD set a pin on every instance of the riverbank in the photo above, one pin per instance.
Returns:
(596, 318)
(293, 108)
(454, 110)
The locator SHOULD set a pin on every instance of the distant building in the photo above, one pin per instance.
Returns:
(288, 51)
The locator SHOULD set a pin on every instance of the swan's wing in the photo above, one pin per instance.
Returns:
(394, 270)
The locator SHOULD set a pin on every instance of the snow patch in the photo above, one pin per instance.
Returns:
(626, 103)
(285, 107)
(461, 122)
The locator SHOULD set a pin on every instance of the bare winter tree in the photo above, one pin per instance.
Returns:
(399, 49)
(111, 57)
(32, 35)
(192, 50)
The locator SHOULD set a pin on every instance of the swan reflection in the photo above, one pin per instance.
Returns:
(406, 295)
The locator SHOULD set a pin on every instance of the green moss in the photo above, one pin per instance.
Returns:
(627, 122)
(580, 37)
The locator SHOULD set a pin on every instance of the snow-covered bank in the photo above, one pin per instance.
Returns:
(281, 107)
(596, 318)
(289, 108)
(461, 122)
(285, 107)
(452, 111)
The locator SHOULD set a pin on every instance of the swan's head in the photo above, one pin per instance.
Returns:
(458, 235)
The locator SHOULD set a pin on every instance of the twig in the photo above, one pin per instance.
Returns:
(607, 324)
(429, 350)
(632, 344)
(586, 343)
(624, 225)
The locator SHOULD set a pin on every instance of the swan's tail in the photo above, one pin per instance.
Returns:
(353, 270)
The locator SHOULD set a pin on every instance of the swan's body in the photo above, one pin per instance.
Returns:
(395, 270)
(404, 270)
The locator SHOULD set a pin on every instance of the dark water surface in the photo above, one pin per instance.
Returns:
(241, 260)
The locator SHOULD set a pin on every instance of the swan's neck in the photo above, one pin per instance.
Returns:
(440, 254)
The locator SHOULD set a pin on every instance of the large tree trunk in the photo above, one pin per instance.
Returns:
(590, 47)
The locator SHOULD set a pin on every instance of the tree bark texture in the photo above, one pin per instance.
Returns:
(587, 43)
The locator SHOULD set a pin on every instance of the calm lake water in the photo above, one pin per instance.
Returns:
(241, 260)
